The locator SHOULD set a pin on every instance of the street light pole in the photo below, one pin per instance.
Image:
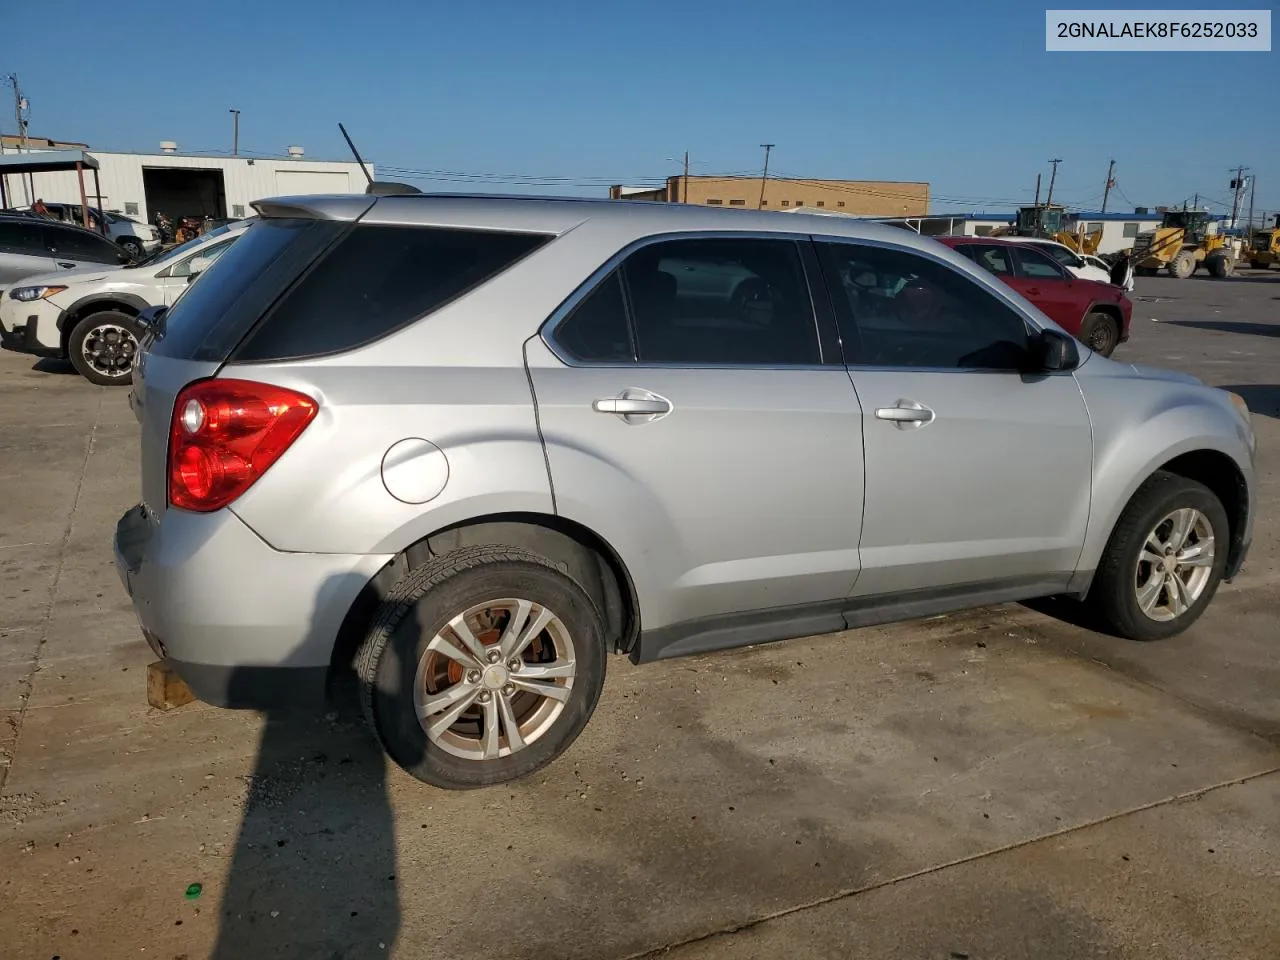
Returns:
(235, 134)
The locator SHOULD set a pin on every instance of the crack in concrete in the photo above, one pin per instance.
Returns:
(27, 685)
(848, 893)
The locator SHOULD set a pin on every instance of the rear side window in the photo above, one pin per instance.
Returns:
(376, 280)
(22, 237)
(226, 300)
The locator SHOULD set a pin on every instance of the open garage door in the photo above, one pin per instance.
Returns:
(297, 183)
(184, 192)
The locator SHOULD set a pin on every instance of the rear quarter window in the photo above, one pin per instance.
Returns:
(375, 280)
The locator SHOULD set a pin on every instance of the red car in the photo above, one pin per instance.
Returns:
(1097, 314)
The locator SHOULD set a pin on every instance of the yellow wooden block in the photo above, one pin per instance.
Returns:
(165, 689)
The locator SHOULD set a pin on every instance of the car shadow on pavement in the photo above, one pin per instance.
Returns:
(1263, 398)
(52, 365)
(1230, 326)
(313, 873)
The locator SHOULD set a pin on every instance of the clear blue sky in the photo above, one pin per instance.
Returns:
(960, 94)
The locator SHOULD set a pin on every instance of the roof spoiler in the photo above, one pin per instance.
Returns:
(386, 188)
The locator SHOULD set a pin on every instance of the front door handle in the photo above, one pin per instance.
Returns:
(634, 406)
(66, 266)
(1034, 291)
(906, 414)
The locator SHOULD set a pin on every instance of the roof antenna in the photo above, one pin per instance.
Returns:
(355, 153)
(379, 188)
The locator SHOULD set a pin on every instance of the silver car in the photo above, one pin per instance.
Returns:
(463, 448)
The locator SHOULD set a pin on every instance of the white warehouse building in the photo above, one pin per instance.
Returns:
(194, 185)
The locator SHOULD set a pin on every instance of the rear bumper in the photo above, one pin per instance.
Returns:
(243, 625)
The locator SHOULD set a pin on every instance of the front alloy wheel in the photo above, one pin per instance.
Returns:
(1175, 565)
(1164, 561)
(102, 348)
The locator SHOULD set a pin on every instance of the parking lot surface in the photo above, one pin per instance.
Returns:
(994, 784)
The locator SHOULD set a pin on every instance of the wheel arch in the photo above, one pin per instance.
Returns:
(1203, 459)
(576, 550)
(124, 302)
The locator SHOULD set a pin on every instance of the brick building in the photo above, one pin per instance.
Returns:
(868, 198)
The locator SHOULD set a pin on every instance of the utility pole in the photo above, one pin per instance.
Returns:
(1052, 177)
(686, 177)
(235, 131)
(1237, 185)
(1037, 203)
(21, 112)
(765, 177)
(1253, 189)
(1106, 191)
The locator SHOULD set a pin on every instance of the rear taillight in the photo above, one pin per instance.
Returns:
(225, 434)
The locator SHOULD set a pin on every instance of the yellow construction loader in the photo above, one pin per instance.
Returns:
(1184, 241)
(1264, 247)
(1046, 221)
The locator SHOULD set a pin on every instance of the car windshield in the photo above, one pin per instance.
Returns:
(173, 253)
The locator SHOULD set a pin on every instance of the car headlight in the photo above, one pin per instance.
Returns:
(27, 294)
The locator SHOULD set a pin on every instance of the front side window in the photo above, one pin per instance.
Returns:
(702, 302)
(1036, 266)
(902, 309)
(83, 246)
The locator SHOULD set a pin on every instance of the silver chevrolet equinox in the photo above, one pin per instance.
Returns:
(461, 448)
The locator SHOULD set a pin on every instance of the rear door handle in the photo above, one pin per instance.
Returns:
(634, 406)
(1034, 291)
(906, 414)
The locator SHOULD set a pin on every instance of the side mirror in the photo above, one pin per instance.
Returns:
(1054, 351)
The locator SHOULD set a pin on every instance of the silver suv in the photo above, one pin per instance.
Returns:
(464, 447)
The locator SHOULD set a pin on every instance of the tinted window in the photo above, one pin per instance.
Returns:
(82, 245)
(22, 236)
(210, 253)
(213, 315)
(1061, 254)
(596, 330)
(990, 257)
(1036, 266)
(901, 309)
(378, 279)
(721, 302)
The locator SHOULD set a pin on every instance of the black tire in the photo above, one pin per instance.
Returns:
(1183, 265)
(1100, 332)
(1113, 594)
(105, 360)
(423, 603)
(1257, 264)
(1220, 267)
(133, 247)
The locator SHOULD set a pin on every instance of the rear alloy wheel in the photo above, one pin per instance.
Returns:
(133, 247)
(1164, 561)
(102, 347)
(1100, 333)
(481, 667)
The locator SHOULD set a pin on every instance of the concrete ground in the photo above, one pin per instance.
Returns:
(998, 784)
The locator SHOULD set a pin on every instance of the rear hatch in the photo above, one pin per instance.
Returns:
(193, 339)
